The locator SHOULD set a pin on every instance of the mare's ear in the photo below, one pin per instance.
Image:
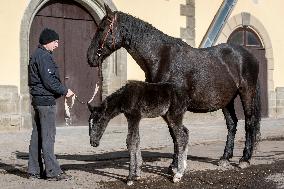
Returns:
(108, 10)
(125, 33)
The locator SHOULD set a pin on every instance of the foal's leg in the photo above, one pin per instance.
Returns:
(174, 164)
(133, 146)
(231, 122)
(180, 134)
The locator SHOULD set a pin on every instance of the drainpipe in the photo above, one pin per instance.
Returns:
(218, 23)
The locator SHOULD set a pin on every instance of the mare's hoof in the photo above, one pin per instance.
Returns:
(172, 171)
(129, 182)
(244, 164)
(136, 178)
(177, 177)
(224, 163)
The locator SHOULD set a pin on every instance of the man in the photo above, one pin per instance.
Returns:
(45, 87)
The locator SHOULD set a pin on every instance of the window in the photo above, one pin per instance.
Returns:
(246, 37)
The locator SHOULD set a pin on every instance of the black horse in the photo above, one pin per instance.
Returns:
(212, 76)
(137, 100)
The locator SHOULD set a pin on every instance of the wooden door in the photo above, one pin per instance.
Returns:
(78, 74)
(76, 28)
(250, 40)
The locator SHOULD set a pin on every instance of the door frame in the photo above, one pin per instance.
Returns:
(255, 49)
(245, 19)
(96, 9)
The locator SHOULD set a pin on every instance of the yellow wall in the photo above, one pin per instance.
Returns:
(204, 14)
(162, 14)
(11, 13)
(270, 14)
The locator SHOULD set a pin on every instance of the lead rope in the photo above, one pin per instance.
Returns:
(69, 103)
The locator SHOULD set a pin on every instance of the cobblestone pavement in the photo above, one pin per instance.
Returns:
(90, 167)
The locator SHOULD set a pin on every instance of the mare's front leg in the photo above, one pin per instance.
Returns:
(133, 146)
(231, 122)
(180, 136)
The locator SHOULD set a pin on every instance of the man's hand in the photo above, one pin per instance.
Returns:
(69, 93)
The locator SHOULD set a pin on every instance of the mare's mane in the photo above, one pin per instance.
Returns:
(144, 29)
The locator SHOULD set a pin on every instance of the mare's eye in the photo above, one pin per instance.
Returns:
(101, 29)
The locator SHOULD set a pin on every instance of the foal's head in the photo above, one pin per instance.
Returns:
(97, 125)
(106, 39)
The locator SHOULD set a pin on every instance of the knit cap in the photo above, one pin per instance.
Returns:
(47, 36)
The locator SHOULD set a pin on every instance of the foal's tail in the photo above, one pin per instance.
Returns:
(257, 114)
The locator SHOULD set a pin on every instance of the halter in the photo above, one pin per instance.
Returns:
(110, 30)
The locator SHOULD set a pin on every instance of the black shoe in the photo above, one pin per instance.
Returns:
(34, 176)
(61, 176)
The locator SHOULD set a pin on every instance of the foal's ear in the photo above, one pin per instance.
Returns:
(108, 10)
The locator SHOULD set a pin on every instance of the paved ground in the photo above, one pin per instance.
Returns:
(107, 165)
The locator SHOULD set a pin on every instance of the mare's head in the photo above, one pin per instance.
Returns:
(97, 124)
(106, 40)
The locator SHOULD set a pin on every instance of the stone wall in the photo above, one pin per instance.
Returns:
(10, 118)
(188, 33)
(280, 102)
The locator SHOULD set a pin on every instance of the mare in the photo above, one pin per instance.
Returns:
(212, 77)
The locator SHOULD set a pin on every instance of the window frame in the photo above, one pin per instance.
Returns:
(245, 30)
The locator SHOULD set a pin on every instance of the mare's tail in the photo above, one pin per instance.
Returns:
(257, 114)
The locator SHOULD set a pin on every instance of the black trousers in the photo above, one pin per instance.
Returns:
(42, 141)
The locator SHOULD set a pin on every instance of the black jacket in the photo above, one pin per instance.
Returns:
(44, 81)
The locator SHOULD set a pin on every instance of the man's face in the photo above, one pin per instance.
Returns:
(52, 45)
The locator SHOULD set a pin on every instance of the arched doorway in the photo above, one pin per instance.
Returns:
(76, 27)
(248, 38)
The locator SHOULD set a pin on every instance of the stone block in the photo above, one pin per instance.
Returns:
(9, 108)
(190, 3)
(245, 19)
(280, 112)
(186, 10)
(186, 33)
(10, 122)
(10, 118)
(190, 22)
(280, 101)
(272, 112)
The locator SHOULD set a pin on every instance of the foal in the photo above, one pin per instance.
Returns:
(137, 100)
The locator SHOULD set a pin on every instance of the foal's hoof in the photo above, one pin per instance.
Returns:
(224, 163)
(244, 164)
(131, 181)
(177, 177)
(136, 178)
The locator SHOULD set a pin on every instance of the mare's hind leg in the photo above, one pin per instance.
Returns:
(133, 146)
(180, 136)
(231, 122)
(247, 101)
